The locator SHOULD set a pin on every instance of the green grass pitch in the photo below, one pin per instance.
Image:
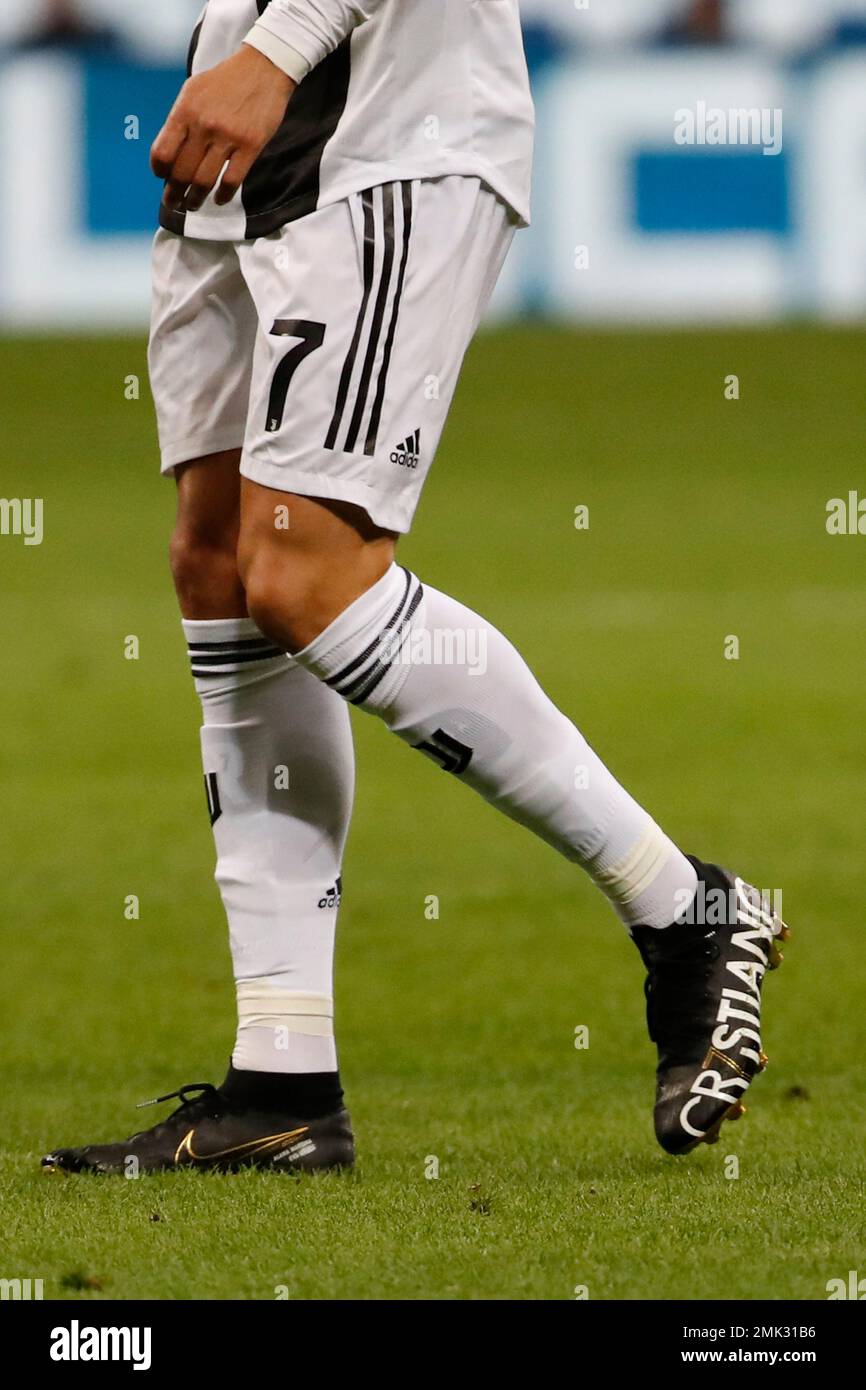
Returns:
(707, 520)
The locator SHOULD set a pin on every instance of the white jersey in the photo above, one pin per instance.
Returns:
(395, 90)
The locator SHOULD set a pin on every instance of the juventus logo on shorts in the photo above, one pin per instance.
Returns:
(449, 753)
(212, 792)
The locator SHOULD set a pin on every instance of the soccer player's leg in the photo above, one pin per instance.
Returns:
(449, 684)
(278, 767)
(439, 676)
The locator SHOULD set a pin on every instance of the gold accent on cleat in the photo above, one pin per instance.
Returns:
(733, 1112)
(249, 1149)
(764, 1059)
(774, 955)
(721, 1058)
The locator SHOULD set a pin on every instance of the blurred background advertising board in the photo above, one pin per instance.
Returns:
(696, 162)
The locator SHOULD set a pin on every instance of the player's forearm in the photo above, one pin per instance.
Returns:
(298, 34)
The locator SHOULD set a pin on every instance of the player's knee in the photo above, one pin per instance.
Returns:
(205, 572)
(297, 581)
(285, 600)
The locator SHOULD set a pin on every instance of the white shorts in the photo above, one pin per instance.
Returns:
(329, 351)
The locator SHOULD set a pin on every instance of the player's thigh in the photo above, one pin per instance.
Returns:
(200, 355)
(366, 308)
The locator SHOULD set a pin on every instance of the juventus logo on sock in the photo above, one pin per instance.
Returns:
(212, 792)
(449, 753)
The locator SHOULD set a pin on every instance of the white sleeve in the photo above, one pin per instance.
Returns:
(293, 64)
(298, 34)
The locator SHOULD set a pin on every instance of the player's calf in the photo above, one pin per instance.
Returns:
(203, 549)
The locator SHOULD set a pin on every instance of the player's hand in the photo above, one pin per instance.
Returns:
(224, 116)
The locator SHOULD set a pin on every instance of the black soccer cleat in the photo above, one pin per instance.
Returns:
(703, 991)
(207, 1130)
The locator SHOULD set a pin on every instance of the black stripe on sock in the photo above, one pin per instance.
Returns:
(334, 681)
(351, 355)
(240, 643)
(376, 414)
(378, 317)
(234, 658)
(381, 668)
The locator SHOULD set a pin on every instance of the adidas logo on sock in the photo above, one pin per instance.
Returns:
(334, 895)
(408, 454)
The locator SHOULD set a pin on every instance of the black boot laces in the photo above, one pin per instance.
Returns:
(198, 1100)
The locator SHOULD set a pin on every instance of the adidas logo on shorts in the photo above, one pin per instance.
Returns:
(333, 896)
(408, 454)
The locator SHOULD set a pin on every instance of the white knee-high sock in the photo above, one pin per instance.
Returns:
(451, 685)
(279, 775)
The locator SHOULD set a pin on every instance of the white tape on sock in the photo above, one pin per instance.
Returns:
(633, 875)
(262, 1005)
